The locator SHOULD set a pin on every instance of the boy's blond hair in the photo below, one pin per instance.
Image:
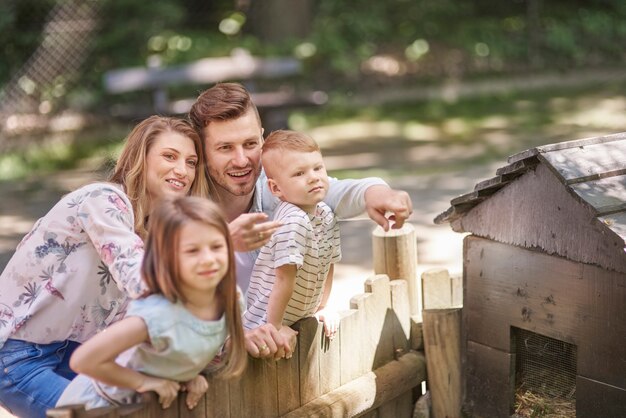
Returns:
(287, 140)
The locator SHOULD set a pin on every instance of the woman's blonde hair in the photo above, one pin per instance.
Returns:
(160, 269)
(130, 170)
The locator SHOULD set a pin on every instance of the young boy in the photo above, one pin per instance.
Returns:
(292, 276)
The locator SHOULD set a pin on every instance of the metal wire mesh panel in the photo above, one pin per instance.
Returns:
(66, 35)
(545, 369)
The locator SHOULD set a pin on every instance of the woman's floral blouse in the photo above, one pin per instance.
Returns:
(72, 274)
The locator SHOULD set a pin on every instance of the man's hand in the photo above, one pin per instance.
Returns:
(267, 342)
(195, 389)
(251, 231)
(380, 199)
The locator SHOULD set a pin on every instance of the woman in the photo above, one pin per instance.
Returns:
(73, 273)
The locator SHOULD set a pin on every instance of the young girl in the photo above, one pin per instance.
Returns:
(170, 336)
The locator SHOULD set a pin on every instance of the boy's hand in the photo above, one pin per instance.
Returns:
(331, 322)
(166, 389)
(195, 388)
(379, 200)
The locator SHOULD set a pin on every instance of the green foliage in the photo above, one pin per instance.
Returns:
(448, 37)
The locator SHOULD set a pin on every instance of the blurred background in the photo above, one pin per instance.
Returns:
(431, 95)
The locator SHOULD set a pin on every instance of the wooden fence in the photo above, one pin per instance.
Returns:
(373, 367)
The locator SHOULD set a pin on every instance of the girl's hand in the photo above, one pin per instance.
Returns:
(330, 320)
(166, 389)
(195, 388)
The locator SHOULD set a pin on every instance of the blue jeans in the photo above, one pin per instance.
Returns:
(33, 376)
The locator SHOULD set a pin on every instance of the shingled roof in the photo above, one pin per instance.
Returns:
(592, 169)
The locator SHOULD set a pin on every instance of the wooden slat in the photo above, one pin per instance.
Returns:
(518, 167)
(395, 254)
(580, 304)
(442, 343)
(489, 381)
(351, 331)
(369, 391)
(401, 318)
(217, 399)
(329, 361)
(587, 162)
(538, 211)
(288, 384)
(378, 341)
(184, 412)
(604, 194)
(309, 353)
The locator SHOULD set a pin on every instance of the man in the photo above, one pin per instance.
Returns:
(230, 126)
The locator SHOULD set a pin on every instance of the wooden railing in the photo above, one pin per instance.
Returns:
(373, 366)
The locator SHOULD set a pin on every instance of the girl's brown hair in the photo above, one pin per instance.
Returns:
(160, 269)
(130, 170)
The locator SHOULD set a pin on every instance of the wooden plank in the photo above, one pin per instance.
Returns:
(330, 362)
(184, 412)
(369, 391)
(395, 254)
(538, 211)
(351, 330)
(401, 318)
(518, 167)
(605, 139)
(489, 381)
(601, 348)
(587, 161)
(442, 343)
(288, 376)
(436, 288)
(596, 399)
(217, 399)
(604, 195)
(579, 304)
(509, 286)
(203, 71)
(378, 340)
(417, 339)
(310, 334)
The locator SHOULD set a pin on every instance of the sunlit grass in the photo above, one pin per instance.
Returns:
(392, 140)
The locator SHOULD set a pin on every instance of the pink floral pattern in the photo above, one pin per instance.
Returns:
(73, 273)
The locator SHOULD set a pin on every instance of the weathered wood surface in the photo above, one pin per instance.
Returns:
(595, 399)
(538, 211)
(489, 381)
(395, 254)
(580, 304)
(369, 336)
(369, 391)
(589, 162)
(591, 168)
(442, 343)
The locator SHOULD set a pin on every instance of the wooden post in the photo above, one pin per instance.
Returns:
(442, 343)
(395, 254)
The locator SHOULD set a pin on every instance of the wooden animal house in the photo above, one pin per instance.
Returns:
(544, 280)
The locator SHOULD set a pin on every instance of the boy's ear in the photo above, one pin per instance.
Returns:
(273, 186)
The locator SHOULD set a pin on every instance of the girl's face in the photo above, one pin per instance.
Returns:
(171, 165)
(203, 258)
